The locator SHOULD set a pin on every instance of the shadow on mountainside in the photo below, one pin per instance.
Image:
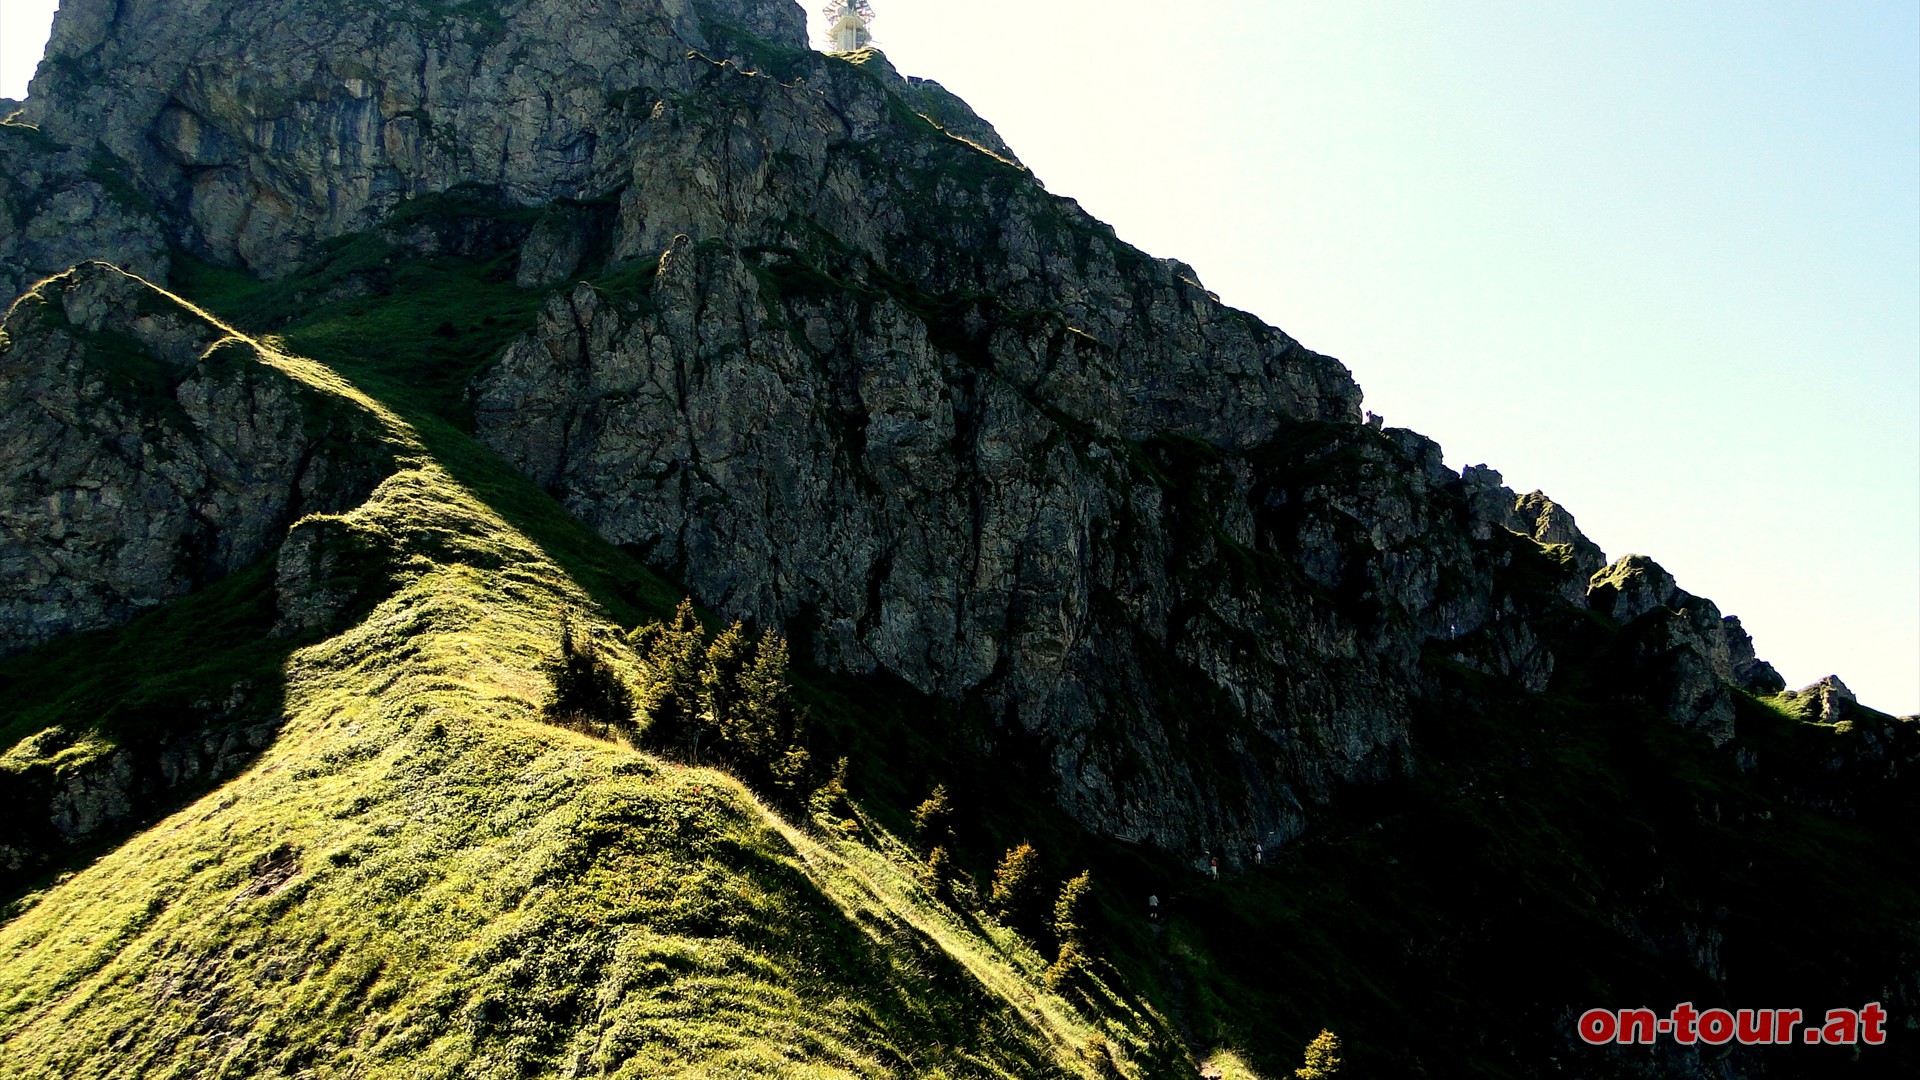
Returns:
(108, 731)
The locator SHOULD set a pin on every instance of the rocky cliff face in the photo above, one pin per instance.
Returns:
(61, 206)
(259, 127)
(67, 798)
(862, 378)
(144, 453)
(1691, 657)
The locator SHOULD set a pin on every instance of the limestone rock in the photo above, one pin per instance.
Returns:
(327, 569)
(953, 116)
(66, 798)
(1684, 643)
(974, 507)
(88, 799)
(257, 152)
(1750, 673)
(1829, 699)
(1548, 523)
(145, 453)
(560, 243)
(1631, 588)
(851, 370)
(60, 206)
(1492, 505)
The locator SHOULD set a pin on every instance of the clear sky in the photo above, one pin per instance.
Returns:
(23, 37)
(1660, 260)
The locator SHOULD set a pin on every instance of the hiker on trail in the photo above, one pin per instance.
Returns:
(1213, 867)
(1153, 908)
(1259, 854)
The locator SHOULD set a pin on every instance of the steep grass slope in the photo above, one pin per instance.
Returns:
(418, 878)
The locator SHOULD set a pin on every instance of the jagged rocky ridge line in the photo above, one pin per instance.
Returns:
(868, 382)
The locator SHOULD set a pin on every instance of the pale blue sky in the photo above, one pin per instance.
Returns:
(1661, 260)
(23, 37)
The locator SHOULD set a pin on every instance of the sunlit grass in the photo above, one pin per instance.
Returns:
(1227, 1065)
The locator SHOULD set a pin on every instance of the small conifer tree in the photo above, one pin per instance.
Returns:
(1072, 909)
(832, 804)
(588, 695)
(673, 653)
(789, 771)
(727, 697)
(766, 722)
(937, 875)
(1071, 912)
(933, 818)
(1017, 896)
(1323, 1058)
(1068, 964)
(722, 698)
(770, 731)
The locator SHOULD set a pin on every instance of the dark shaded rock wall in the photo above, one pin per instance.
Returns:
(145, 453)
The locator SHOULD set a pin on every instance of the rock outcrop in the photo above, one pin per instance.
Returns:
(255, 150)
(1687, 652)
(1494, 505)
(61, 206)
(1209, 621)
(145, 452)
(1828, 701)
(54, 804)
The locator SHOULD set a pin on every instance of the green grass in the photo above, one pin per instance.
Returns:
(429, 325)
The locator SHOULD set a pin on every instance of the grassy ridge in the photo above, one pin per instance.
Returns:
(419, 879)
